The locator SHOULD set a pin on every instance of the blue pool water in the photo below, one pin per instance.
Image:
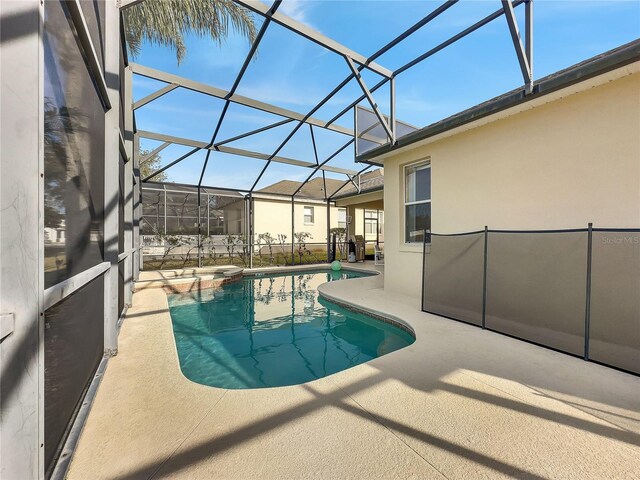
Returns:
(273, 330)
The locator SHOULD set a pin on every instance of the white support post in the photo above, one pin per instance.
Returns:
(128, 187)
(137, 209)
(22, 239)
(111, 177)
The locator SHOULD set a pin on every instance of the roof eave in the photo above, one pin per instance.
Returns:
(362, 192)
(593, 67)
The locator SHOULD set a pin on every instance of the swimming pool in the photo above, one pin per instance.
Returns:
(274, 330)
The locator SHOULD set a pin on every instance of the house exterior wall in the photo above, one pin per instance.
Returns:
(356, 206)
(559, 165)
(274, 217)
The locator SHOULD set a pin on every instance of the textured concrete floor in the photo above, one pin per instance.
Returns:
(458, 403)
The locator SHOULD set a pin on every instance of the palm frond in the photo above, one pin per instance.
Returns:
(165, 22)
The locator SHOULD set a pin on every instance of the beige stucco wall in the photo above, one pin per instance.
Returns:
(561, 164)
(274, 217)
(356, 206)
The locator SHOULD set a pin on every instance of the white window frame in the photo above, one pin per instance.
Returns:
(426, 162)
(372, 216)
(304, 215)
(342, 210)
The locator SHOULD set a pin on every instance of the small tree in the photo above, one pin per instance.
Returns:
(208, 242)
(268, 240)
(151, 165)
(258, 243)
(282, 239)
(229, 242)
(190, 248)
(341, 234)
(244, 248)
(169, 243)
(301, 239)
(232, 242)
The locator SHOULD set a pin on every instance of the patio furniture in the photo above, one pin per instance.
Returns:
(378, 255)
(358, 240)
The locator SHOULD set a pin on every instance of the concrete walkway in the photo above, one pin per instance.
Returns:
(458, 403)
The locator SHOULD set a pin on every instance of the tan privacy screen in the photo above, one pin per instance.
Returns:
(536, 287)
(614, 334)
(454, 269)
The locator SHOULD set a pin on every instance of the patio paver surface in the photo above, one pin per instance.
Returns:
(458, 403)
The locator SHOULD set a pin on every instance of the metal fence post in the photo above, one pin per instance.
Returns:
(328, 229)
(251, 233)
(293, 226)
(199, 228)
(424, 267)
(484, 277)
(587, 311)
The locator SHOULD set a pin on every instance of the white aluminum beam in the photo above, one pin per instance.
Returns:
(111, 177)
(517, 43)
(150, 98)
(62, 290)
(237, 151)
(150, 155)
(224, 95)
(22, 238)
(128, 185)
(124, 4)
(87, 45)
(370, 98)
(314, 36)
(528, 33)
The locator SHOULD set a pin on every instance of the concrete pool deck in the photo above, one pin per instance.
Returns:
(458, 403)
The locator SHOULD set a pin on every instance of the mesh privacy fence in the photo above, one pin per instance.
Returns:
(576, 291)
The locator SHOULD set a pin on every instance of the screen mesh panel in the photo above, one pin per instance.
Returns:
(454, 269)
(536, 287)
(182, 213)
(369, 131)
(73, 347)
(614, 333)
(371, 134)
(153, 211)
(73, 154)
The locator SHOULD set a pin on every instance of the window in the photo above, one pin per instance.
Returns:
(342, 218)
(370, 222)
(308, 215)
(417, 201)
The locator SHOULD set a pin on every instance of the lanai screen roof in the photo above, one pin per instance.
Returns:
(301, 106)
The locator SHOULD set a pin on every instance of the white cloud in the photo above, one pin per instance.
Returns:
(298, 10)
(294, 9)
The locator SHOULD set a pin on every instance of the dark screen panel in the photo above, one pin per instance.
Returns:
(453, 286)
(73, 154)
(614, 333)
(74, 339)
(536, 287)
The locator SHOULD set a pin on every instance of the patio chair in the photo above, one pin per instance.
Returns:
(378, 255)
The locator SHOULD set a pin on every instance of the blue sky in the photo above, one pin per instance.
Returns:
(294, 73)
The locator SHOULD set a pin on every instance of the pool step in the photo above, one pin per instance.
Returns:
(173, 283)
